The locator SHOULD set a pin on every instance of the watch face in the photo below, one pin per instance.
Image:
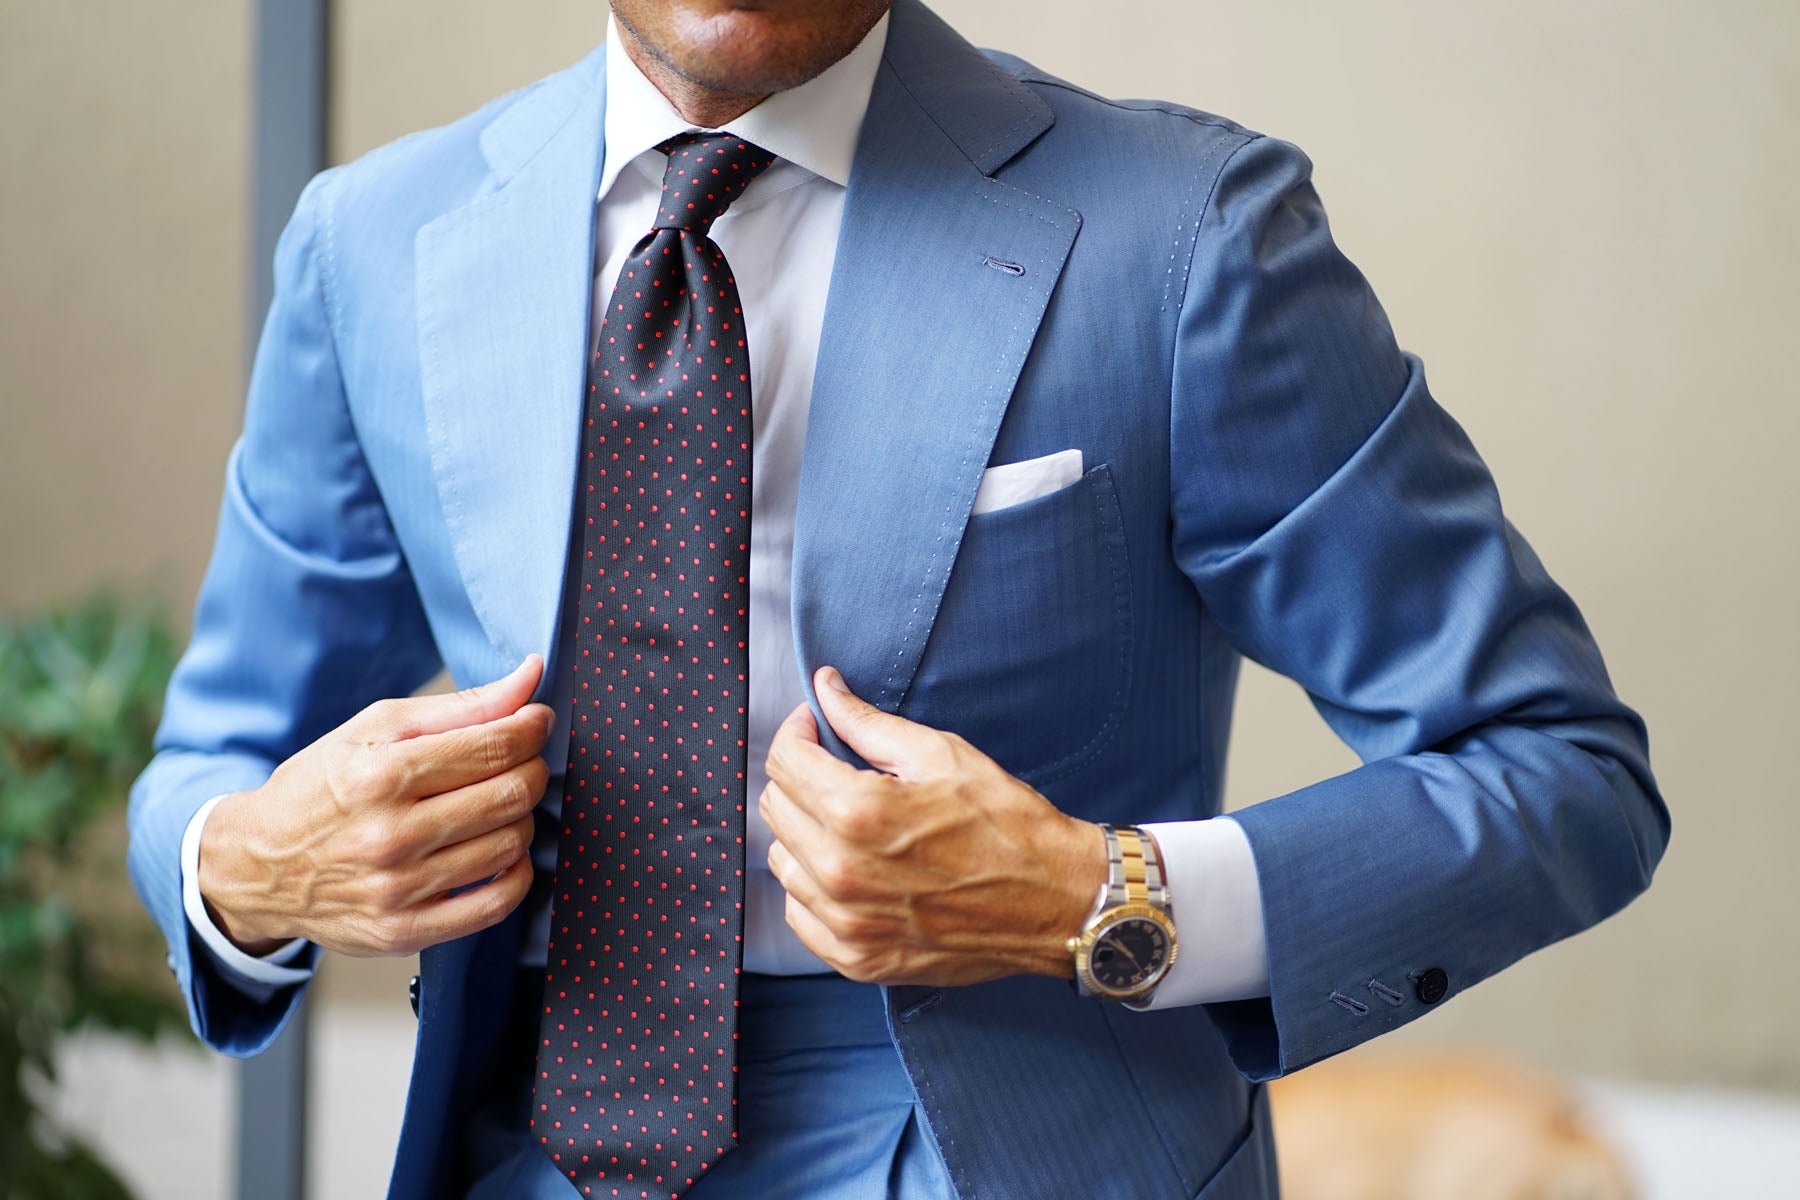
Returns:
(1128, 954)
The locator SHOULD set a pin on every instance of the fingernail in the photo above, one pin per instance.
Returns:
(835, 681)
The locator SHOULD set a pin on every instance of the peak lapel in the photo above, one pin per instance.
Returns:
(941, 279)
(504, 286)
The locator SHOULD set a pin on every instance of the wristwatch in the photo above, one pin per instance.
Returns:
(1128, 944)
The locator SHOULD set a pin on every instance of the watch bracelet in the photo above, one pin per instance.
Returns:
(1116, 890)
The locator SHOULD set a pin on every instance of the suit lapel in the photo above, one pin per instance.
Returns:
(504, 286)
(941, 280)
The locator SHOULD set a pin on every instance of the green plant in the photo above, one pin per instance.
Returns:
(80, 691)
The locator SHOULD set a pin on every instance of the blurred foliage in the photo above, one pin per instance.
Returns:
(80, 694)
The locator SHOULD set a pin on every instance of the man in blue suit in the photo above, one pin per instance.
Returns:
(1061, 405)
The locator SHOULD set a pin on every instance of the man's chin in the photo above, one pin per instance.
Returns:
(748, 53)
(750, 48)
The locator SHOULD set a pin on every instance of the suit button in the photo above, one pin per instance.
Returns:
(1431, 985)
(412, 994)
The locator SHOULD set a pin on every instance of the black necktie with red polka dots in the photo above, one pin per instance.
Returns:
(636, 1086)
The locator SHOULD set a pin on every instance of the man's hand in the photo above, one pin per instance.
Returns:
(936, 868)
(358, 841)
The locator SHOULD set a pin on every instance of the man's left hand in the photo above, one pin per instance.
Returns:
(935, 868)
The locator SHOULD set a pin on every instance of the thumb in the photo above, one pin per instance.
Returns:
(469, 706)
(885, 741)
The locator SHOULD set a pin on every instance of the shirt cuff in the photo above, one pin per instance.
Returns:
(259, 978)
(1221, 950)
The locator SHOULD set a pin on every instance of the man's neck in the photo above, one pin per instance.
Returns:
(706, 107)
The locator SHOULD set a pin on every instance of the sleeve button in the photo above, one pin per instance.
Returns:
(1431, 985)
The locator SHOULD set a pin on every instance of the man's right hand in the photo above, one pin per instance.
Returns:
(361, 841)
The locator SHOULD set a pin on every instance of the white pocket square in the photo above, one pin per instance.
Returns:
(1015, 483)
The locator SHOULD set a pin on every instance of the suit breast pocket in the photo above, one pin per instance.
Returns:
(1029, 658)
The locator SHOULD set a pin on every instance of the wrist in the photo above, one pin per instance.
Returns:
(1080, 876)
(228, 881)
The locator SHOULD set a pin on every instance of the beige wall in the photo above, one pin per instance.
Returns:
(1578, 214)
(122, 227)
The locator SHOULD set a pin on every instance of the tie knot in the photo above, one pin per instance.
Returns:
(706, 172)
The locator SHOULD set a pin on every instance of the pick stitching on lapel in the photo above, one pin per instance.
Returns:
(922, 347)
(504, 285)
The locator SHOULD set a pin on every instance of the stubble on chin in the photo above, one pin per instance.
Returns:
(750, 51)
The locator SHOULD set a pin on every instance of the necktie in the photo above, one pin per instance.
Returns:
(636, 1086)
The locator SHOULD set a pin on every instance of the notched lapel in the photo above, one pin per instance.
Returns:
(941, 280)
(504, 287)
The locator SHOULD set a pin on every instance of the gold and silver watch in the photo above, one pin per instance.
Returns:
(1128, 944)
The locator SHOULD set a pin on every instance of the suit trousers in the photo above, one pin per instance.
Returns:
(825, 1108)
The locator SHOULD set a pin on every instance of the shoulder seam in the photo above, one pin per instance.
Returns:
(1187, 270)
(1212, 187)
(1191, 115)
(325, 252)
(324, 222)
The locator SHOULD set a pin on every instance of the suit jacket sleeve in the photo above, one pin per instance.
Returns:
(1344, 532)
(307, 614)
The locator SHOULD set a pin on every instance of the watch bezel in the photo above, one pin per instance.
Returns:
(1085, 941)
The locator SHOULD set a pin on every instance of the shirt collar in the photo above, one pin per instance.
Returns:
(815, 125)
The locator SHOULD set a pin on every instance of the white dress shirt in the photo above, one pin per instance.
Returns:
(780, 237)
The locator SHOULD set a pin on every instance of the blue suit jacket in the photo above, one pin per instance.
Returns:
(1023, 268)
